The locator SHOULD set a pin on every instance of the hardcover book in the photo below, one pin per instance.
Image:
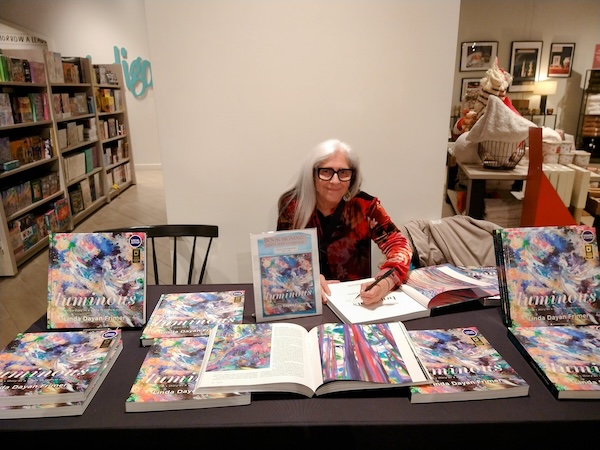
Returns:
(286, 275)
(96, 280)
(55, 367)
(192, 314)
(548, 275)
(168, 375)
(464, 366)
(567, 358)
(285, 357)
(425, 290)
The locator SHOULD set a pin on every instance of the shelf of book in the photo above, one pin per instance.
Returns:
(58, 119)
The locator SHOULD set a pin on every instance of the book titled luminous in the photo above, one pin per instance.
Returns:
(192, 314)
(285, 266)
(96, 280)
(168, 375)
(567, 358)
(55, 367)
(464, 366)
(548, 275)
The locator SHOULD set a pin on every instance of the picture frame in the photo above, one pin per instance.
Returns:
(477, 55)
(525, 60)
(560, 61)
(468, 83)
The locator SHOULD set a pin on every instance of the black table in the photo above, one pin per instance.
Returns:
(356, 419)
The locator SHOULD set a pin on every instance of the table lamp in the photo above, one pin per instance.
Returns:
(544, 88)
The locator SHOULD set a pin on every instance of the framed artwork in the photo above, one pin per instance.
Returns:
(561, 60)
(469, 84)
(477, 55)
(525, 59)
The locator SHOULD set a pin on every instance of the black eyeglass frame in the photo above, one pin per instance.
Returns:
(318, 170)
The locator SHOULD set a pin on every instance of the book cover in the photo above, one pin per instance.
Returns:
(426, 289)
(464, 366)
(567, 358)
(192, 314)
(285, 274)
(6, 112)
(54, 366)
(332, 357)
(548, 275)
(168, 375)
(96, 280)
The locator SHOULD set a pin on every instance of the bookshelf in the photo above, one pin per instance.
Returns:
(68, 166)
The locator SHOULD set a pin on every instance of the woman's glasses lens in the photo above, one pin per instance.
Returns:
(326, 173)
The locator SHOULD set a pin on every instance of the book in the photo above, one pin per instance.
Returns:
(168, 375)
(548, 275)
(96, 280)
(332, 357)
(286, 274)
(192, 314)
(464, 366)
(489, 274)
(426, 289)
(566, 358)
(6, 111)
(54, 367)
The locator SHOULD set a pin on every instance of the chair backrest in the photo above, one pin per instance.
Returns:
(172, 232)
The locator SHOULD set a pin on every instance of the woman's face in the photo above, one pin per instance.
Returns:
(330, 193)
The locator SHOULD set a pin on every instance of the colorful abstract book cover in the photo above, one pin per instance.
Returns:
(168, 375)
(567, 358)
(96, 280)
(550, 276)
(54, 366)
(464, 366)
(285, 267)
(193, 314)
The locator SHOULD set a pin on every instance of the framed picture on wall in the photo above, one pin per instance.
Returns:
(561, 60)
(469, 85)
(477, 55)
(525, 59)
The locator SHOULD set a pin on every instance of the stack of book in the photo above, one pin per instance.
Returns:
(549, 281)
(55, 373)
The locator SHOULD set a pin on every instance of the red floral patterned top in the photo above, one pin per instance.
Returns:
(347, 254)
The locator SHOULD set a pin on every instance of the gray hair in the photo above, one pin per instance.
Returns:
(304, 188)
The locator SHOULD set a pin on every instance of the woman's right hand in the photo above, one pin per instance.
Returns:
(325, 291)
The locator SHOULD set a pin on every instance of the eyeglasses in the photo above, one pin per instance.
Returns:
(327, 173)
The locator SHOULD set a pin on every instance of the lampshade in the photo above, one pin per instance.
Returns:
(547, 87)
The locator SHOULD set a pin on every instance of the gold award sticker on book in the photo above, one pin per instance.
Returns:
(136, 243)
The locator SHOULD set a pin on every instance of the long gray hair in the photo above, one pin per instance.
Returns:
(304, 188)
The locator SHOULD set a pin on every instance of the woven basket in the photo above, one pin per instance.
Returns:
(500, 155)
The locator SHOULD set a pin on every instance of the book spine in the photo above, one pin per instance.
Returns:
(501, 269)
(549, 384)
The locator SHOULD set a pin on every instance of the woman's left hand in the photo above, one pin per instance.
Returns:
(376, 293)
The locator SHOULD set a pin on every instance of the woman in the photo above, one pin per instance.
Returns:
(327, 196)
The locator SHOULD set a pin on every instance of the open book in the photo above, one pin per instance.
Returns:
(332, 357)
(426, 288)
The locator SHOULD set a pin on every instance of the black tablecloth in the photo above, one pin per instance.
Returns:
(356, 418)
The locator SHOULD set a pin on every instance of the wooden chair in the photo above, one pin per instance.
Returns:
(171, 234)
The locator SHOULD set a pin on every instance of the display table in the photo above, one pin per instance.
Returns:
(369, 419)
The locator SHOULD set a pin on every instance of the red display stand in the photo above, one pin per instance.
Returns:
(542, 206)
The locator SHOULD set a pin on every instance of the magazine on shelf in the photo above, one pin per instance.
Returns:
(55, 367)
(96, 280)
(464, 366)
(168, 375)
(332, 357)
(549, 280)
(426, 289)
(285, 274)
(192, 314)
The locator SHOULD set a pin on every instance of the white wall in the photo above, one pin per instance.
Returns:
(244, 89)
(549, 21)
(82, 28)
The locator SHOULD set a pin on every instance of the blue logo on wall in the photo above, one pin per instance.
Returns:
(137, 74)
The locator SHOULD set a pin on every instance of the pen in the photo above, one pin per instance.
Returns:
(378, 280)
